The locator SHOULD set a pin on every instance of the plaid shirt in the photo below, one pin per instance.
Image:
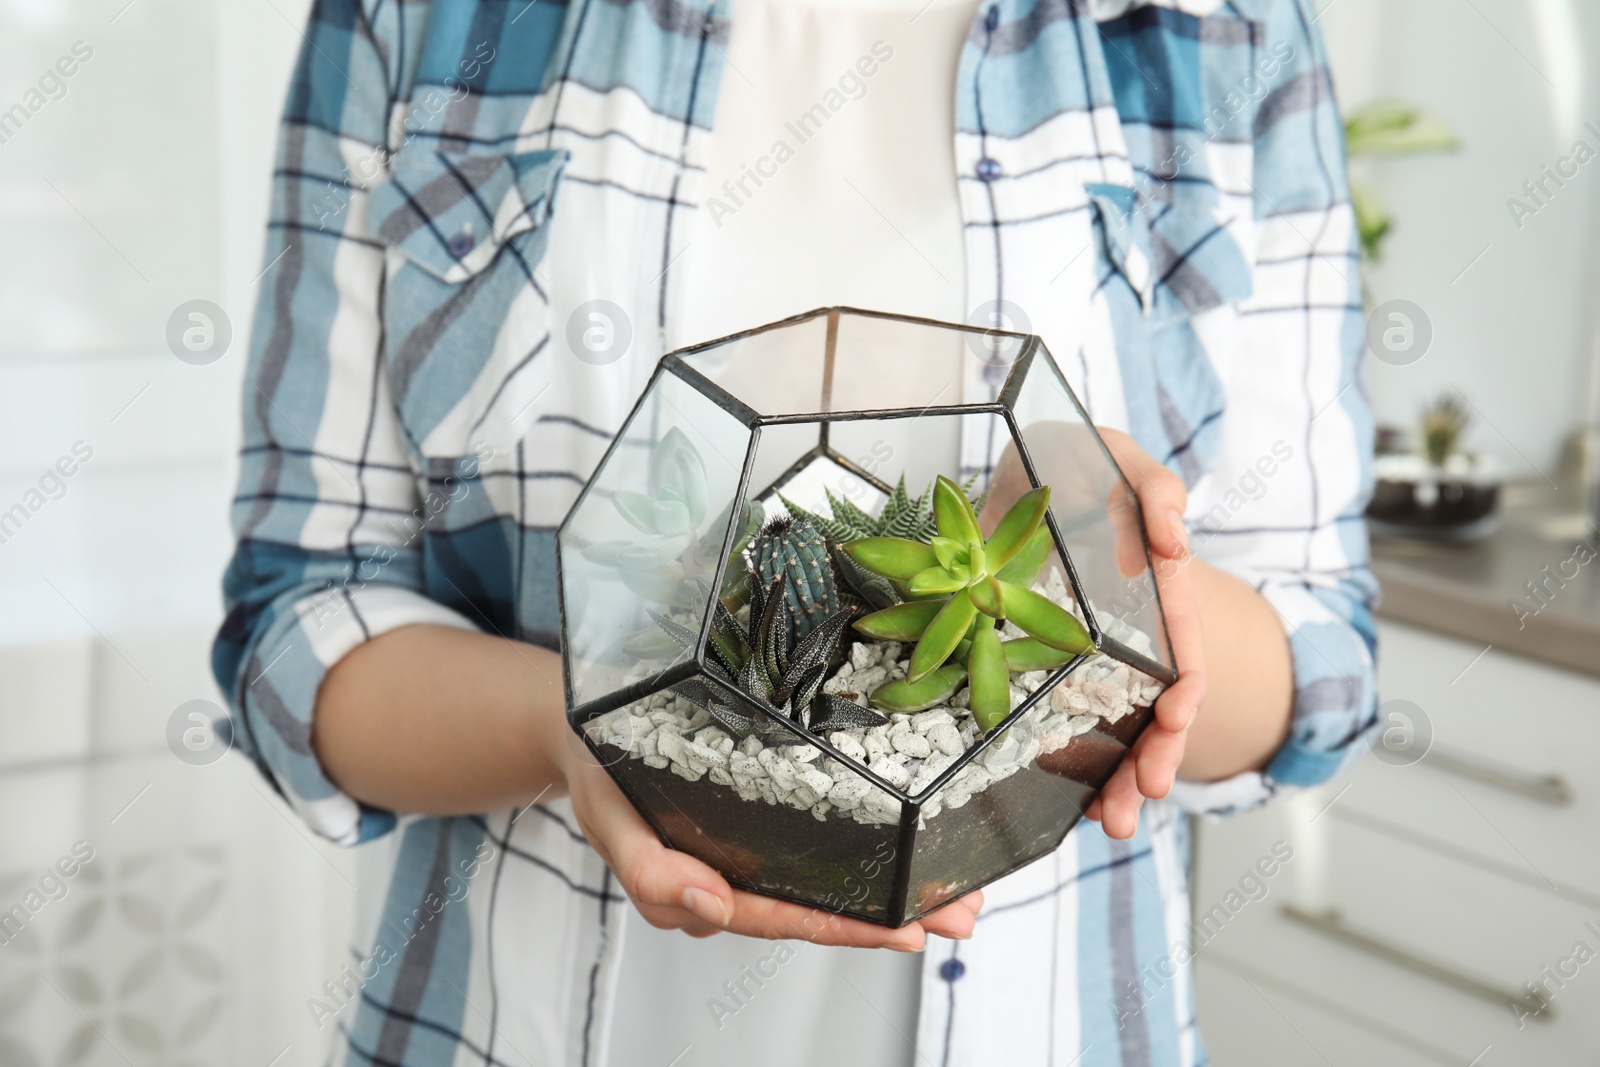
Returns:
(1158, 187)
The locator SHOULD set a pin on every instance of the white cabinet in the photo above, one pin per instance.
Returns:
(1425, 895)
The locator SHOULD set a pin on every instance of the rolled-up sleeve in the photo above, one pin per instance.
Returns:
(328, 515)
(1283, 507)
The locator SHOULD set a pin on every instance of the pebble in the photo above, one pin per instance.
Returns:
(711, 737)
(814, 780)
(670, 745)
(911, 744)
(667, 732)
(847, 744)
(891, 771)
(1032, 680)
(947, 739)
(876, 743)
(847, 792)
(1001, 754)
(930, 770)
(698, 753)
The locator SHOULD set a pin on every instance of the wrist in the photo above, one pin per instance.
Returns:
(553, 746)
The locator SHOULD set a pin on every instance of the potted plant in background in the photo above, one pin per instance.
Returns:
(1439, 492)
(1387, 128)
(829, 689)
(1431, 490)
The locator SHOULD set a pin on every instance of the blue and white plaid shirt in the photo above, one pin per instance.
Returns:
(1158, 186)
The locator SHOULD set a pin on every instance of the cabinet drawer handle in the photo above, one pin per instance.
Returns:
(1332, 925)
(1549, 789)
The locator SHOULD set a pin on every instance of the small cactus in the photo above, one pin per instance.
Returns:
(795, 550)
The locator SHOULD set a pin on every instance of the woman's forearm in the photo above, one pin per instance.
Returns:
(1250, 690)
(444, 721)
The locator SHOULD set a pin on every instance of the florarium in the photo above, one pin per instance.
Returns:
(858, 610)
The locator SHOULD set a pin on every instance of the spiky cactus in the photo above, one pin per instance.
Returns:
(794, 550)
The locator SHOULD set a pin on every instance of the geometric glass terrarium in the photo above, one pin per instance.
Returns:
(858, 609)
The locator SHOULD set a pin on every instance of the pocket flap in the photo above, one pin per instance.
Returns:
(1180, 257)
(451, 214)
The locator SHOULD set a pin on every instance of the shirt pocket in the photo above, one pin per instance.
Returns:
(465, 313)
(1181, 255)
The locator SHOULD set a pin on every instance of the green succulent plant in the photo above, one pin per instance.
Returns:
(1443, 423)
(669, 513)
(902, 515)
(1388, 128)
(962, 585)
(665, 564)
(782, 654)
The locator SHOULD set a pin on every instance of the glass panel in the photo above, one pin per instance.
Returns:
(768, 815)
(1094, 510)
(873, 363)
(646, 538)
(777, 371)
(779, 450)
(864, 455)
(921, 447)
(1021, 794)
(882, 364)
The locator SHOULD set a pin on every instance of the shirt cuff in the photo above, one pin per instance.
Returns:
(278, 694)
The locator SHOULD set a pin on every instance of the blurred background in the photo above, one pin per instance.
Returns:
(1433, 902)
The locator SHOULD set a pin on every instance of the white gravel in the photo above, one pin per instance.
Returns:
(669, 733)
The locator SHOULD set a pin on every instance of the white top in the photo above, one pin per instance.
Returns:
(831, 181)
(832, 175)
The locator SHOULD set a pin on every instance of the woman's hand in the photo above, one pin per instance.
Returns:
(1071, 463)
(1153, 764)
(675, 891)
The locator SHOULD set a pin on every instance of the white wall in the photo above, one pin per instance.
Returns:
(1515, 78)
(207, 916)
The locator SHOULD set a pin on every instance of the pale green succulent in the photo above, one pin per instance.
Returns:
(966, 584)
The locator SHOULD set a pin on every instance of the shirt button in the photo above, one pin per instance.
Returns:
(952, 969)
(988, 169)
(460, 244)
(992, 19)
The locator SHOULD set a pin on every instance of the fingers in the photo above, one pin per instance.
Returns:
(956, 919)
(779, 920)
(671, 889)
(675, 891)
(1176, 708)
(1155, 760)
(1117, 806)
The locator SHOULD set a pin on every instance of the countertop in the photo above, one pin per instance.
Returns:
(1480, 593)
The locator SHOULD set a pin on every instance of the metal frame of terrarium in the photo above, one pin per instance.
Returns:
(695, 666)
